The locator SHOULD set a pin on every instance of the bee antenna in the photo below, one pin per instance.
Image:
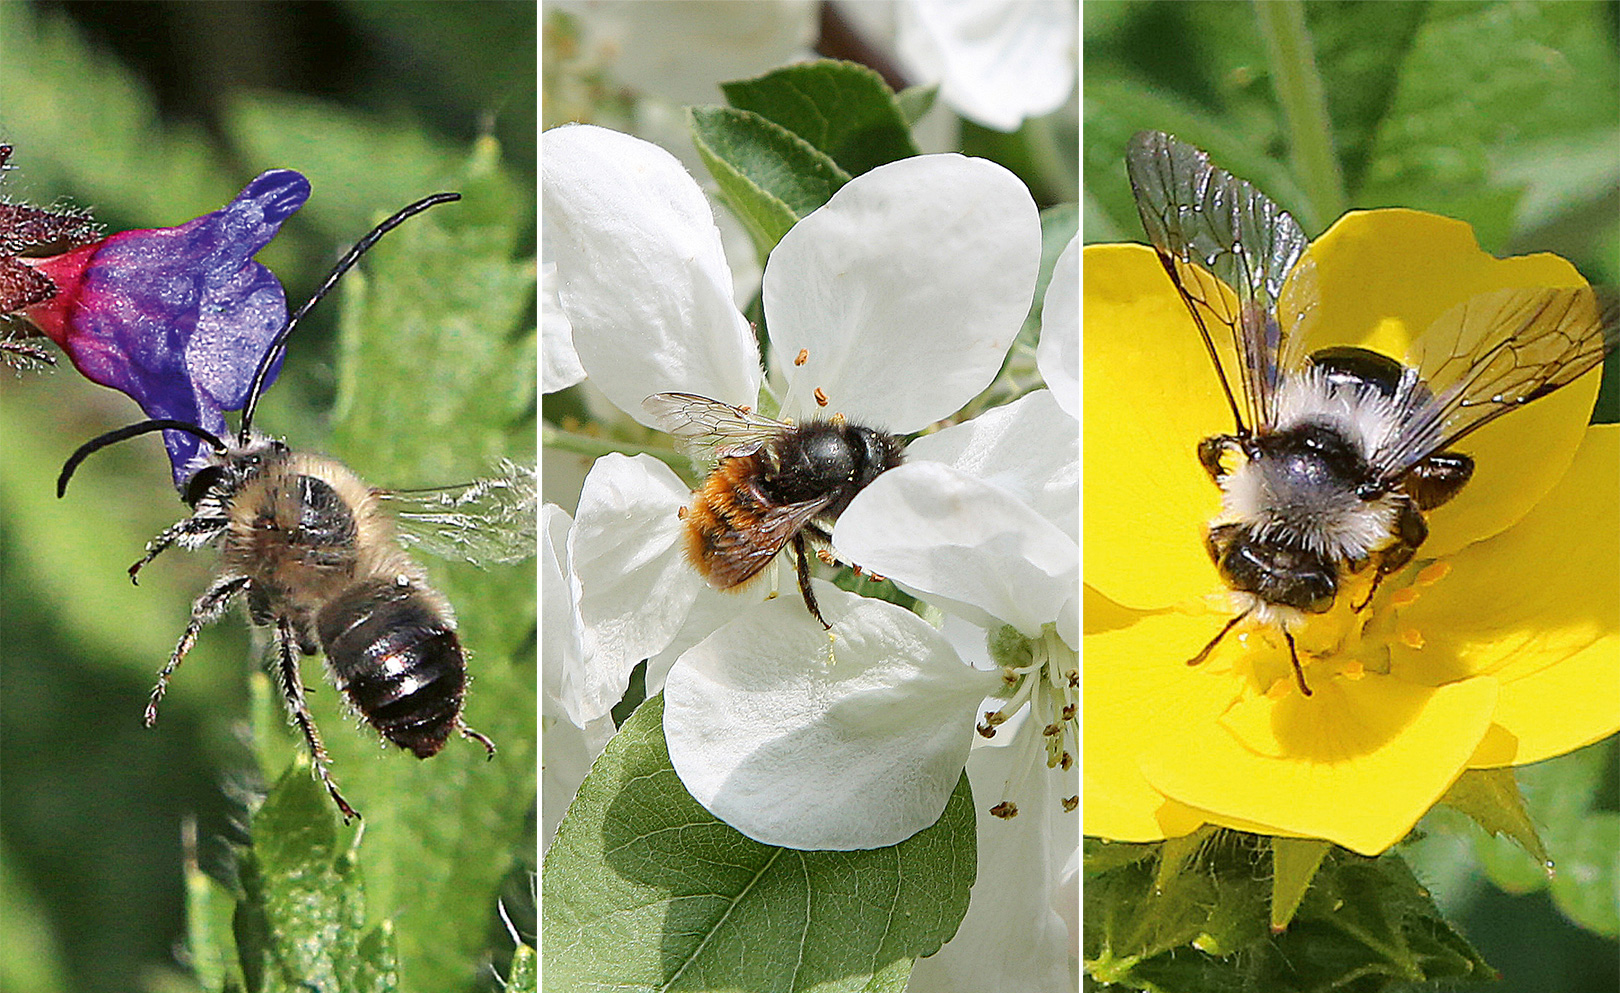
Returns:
(278, 345)
(113, 437)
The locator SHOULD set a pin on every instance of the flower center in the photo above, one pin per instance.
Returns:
(1044, 674)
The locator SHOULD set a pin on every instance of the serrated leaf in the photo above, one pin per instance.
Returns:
(305, 896)
(769, 176)
(644, 890)
(1363, 924)
(1492, 798)
(841, 108)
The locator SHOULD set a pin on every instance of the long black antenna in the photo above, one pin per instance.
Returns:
(278, 345)
(116, 435)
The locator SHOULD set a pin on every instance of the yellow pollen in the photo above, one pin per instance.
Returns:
(1401, 598)
(1280, 688)
(1353, 669)
(1433, 573)
(1412, 638)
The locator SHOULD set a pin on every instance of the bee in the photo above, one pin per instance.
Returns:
(1338, 455)
(771, 483)
(315, 554)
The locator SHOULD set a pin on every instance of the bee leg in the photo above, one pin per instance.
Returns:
(467, 732)
(1203, 653)
(190, 533)
(1293, 656)
(804, 580)
(292, 688)
(206, 610)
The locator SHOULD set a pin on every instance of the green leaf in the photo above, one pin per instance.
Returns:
(1492, 798)
(305, 899)
(1363, 924)
(644, 890)
(915, 101)
(1294, 862)
(769, 176)
(841, 108)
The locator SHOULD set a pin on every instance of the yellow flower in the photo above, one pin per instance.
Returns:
(1499, 646)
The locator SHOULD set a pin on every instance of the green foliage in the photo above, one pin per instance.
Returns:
(435, 373)
(1363, 924)
(840, 108)
(645, 890)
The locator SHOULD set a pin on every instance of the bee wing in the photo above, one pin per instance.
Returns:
(1491, 355)
(708, 430)
(738, 555)
(1207, 226)
(485, 522)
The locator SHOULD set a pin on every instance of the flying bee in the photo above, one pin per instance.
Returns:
(771, 483)
(1338, 455)
(315, 554)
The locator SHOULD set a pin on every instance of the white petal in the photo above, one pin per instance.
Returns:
(642, 276)
(635, 585)
(1029, 447)
(559, 365)
(569, 752)
(1016, 937)
(1058, 353)
(679, 50)
(794, 750)
(561, 655)
(904, 290)
(963, 544)
(997, 61)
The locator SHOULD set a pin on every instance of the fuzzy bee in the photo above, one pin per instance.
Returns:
(772, 483)
(317, 556)
(1337, 456)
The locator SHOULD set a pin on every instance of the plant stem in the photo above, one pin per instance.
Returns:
(1299, 90)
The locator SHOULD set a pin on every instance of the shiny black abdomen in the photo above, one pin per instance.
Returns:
(399, 661)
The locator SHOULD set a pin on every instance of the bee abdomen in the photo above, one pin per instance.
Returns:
(400, 662)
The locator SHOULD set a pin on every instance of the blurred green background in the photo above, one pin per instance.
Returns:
(151, 114)
(1506, 115)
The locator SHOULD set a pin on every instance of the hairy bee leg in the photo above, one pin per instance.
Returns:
(205, 610)
(804, 580)
(467, 732)
(1203, 653)
(292, 688)
(1293, 656)
(177, 532)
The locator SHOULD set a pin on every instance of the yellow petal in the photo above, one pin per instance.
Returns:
(1383, 277)
(1533, 596)
(1557, 710)
(1132, 680)
(1150, 396)
(1357, 763)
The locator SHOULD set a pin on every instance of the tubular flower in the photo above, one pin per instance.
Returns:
(1499, 645)
(177, 318)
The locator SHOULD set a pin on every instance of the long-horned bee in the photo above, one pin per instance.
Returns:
(1337, 455)
(771, 483)
(315, 554)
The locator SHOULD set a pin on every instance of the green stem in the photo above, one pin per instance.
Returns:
(578, 443)
(1299, 90)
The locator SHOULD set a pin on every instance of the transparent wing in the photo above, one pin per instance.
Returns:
(485, 522)
(1207, 226)
(1492, 355)
(708, 430)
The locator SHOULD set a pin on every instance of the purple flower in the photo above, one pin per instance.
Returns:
(177, 318)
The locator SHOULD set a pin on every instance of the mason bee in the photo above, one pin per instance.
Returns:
(1337, 455)
(771, 483)
(314, 553)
